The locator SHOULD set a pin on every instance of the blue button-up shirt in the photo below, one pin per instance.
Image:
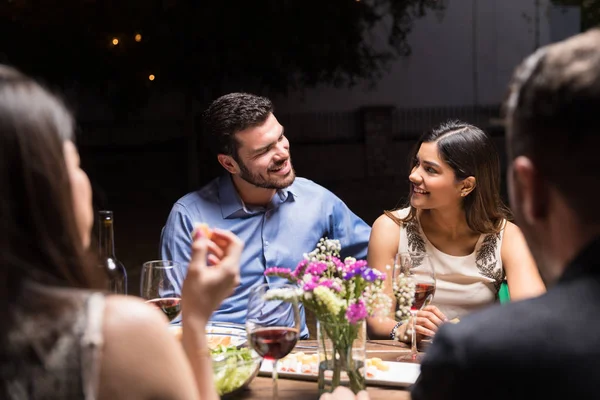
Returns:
(275, 236)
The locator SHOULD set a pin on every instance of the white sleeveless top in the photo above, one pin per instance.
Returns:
(463, 283)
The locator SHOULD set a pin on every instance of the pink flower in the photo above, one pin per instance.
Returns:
(300, 269)
(356, 311)
(316, 268)
(281, 272)
(328, 283)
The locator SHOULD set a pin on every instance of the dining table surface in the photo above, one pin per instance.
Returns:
(294, 389)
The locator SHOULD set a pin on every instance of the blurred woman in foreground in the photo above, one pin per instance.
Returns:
(58, 338)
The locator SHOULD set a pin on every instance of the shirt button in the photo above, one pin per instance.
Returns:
(266, 243)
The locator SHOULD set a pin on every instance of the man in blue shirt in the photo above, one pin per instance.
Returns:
(278, 216)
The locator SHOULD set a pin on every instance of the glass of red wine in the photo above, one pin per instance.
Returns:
(161, 285)
(416, 270)
(273, 322)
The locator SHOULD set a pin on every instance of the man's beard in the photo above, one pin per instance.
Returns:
(259, 181)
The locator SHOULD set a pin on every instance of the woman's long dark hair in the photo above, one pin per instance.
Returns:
(39, 239)
(469, 152)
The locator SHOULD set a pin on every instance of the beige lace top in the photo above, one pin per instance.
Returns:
(463, 283)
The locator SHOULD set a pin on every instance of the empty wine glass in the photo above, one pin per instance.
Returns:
(161, 285)
(415, 271)
(273, 323)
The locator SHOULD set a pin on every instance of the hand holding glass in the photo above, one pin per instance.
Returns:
(416, 269)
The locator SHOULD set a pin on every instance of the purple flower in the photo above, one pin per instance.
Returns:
(369, 274)
(356, 312)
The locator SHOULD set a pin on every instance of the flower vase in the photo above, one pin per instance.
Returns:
(342, 355)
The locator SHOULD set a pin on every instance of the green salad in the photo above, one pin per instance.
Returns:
(232, 367)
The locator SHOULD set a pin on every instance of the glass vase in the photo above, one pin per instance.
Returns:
(342, 355)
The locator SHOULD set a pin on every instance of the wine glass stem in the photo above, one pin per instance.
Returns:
(274, 374)
(413, 340)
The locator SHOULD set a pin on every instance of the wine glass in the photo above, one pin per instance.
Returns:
(161, 285)
(414, 269)
(273, 323)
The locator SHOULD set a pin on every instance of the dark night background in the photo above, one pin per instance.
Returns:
(140, 139)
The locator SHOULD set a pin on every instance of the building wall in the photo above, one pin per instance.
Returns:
(465, 56)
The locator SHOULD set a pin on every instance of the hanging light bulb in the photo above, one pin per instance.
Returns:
(115, 41)
(151, 77)
(138, 37)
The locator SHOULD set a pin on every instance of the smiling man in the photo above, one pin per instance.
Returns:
(278, 216)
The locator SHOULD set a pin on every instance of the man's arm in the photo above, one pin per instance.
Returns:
(175, 238)
(352, 232)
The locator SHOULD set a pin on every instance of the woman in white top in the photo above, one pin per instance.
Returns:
(456, 215)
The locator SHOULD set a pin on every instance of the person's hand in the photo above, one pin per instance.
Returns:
(205, 287)
(428, 321)
(343, 393)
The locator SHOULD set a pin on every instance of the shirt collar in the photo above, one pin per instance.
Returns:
(232, 205)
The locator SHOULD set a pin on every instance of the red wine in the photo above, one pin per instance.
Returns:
(274, 343)
(169, 305)
(422, 293)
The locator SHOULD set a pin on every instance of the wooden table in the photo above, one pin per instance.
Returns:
(291, 389)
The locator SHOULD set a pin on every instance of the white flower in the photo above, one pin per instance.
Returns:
(404, 291)
(283, 294)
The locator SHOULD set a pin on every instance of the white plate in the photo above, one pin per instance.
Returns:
(399, 374)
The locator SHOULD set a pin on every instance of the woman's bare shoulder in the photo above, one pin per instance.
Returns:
(512, 231)
(137, 343)
(125, 312)
(385, 222)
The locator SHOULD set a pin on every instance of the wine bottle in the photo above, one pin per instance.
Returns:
(115, 270)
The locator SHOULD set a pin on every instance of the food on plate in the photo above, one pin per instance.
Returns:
(214, 340)
(377, 363)
(301, 362)
(218, 340)
(202, 227)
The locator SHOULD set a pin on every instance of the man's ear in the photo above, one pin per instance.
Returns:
(529, 190)
(228, 163)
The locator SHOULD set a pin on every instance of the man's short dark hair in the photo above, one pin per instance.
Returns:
(553, 117)
(232, 113)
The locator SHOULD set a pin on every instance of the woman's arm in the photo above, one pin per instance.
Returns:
(522, 275)
(383, 246)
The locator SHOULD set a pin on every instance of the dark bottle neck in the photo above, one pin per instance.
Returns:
(106, 235)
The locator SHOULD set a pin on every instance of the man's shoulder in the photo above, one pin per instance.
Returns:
(521, 327)
(206, 194)
(306, 186)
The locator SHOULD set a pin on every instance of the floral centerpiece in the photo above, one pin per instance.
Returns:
(342, 294)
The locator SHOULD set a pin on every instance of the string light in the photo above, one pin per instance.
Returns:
(115, 41)
(151, 77)
(138, 37)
